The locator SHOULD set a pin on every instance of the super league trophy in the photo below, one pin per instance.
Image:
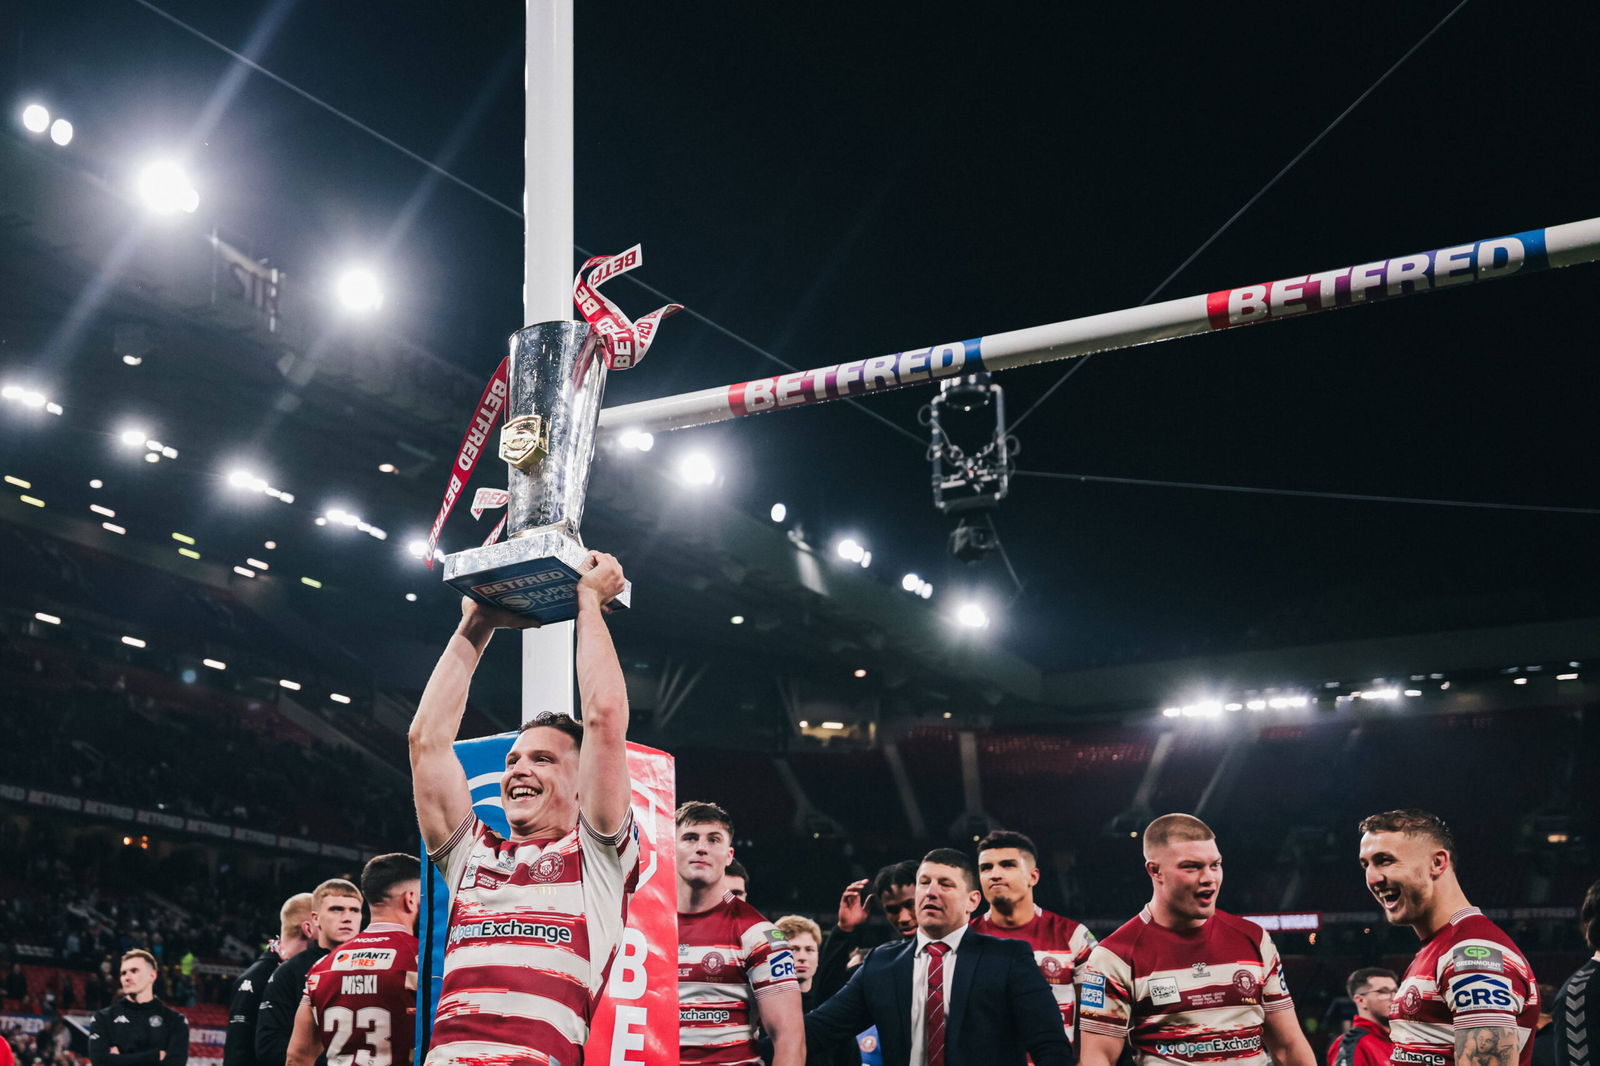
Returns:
(557, 376)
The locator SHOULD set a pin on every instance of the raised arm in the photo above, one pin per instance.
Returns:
(603, 788)
(437, 780)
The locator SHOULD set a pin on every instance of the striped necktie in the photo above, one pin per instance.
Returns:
(933, 1007)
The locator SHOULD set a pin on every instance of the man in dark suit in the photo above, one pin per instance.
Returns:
(948, 996)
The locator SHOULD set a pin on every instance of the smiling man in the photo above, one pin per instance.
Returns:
(536, 919)
(1185, 983)
(1468, 998)
(947, 995)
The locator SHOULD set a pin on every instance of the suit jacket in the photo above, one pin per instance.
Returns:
(1001, 1010)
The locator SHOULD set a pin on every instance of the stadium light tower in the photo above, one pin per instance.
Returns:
(165, 189)
(359, 291)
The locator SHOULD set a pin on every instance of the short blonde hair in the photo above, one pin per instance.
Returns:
(1174, 829)
(333, 886)
(141, 953)
(296, 909)
(791, 925)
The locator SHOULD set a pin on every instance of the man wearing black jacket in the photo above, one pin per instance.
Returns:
(294, 936)
(139, 1029)
(336, 906)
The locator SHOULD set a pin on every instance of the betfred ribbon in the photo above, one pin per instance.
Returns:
(625, 341)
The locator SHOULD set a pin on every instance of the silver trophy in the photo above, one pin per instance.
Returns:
(558, 377)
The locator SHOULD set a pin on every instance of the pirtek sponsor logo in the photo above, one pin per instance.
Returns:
(511, 927)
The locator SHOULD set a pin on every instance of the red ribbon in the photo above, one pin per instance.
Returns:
(479, 434)
(625, 341)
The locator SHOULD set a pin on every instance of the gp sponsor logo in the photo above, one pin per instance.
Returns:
(1478, 957)
(363, 959)
(491, 929)
(1481, 991)
(709, 1015)
(1092, 990)
(1196, 1048)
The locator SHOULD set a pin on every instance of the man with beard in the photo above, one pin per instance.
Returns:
(1184, 983)
(1468, 998)
(138, 1029)
(1008, 870)
(295, 929)
(536, 918)
(1366, 1042)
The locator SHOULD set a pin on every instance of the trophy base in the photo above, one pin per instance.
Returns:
(534, 575)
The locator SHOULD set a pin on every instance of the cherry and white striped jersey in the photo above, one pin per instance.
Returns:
(534, 927)
(729, 958)
(1060, 945)
(363, 997)
(1468, 975)
(1184, 998)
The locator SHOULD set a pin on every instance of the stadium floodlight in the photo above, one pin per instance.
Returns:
(850, 550)
(736, 620)
(636, 440)
(973, 616)
(96, 483)
(338, 697)
(35, 118)
(411, 597)
(1566, 677)
(133, 642)
(166, 189)
(860, 672)
(152, 457)
(133, 436)
(833, 725)
(779, 512)
(388, 468)
(911, 582)
(697, 469)
(417, 548)
(133, 360)
(112, 527)
(215, 664)
(22, 483)
(258, 564)
(244, 571)
(31, 501)
(1519, 681)
(97, 509)
(61, 132)
(50, 618)
(358, 290)
(292, 686)
(311, 582)
(1171, 712)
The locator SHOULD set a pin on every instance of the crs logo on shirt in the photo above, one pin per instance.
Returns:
(1482, 991)
(782, 965)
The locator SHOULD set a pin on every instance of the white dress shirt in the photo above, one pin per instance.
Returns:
(919, 990)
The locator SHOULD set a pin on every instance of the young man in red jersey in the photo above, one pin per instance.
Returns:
(1184, 983)
(1366, 1042)
(535, 920)
(1008, 870)
(1468, 998)
(360, 1000)
(735, 971)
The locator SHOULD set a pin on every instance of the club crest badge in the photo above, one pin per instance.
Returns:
(547, 867)
(525, 441)
(1245, 982)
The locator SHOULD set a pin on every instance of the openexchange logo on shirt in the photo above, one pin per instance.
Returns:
(1183, 1049)
(491, 929)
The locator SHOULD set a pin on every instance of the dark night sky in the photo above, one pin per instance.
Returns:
(838, 181)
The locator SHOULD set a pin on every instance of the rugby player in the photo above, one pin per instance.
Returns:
(336, 908)
(1008, 870)
(360, 999)
(536, 918)
(1184, 983)
(735, 970)
(1468, 998)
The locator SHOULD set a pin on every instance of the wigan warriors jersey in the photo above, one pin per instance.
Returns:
(1468, 975)
(363, 997)
(729, 958)
(534, 927)
(1184, 998)
(1060, 945)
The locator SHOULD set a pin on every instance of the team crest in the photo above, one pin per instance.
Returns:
(547, 867)
(712, 962)
(1245, 982)
(155, 1020)
(867, 1042)
(1411, 1001)
(1051, 966)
